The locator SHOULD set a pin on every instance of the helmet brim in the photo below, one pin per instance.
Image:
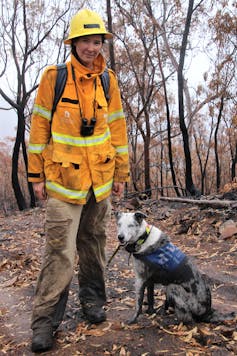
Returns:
(107, 36)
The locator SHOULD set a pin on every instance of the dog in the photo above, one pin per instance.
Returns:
(157, 260)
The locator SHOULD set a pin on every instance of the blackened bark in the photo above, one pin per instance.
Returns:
(21, 203)
(191, 189)
(110, 28)
(218, 170)
(30, 187)
(234, 163)
(168, 130)
(148, 190)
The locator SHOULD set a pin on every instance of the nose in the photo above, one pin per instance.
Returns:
(91, 46)
(121, 237)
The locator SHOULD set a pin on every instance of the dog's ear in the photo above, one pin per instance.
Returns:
(117, 214)
(139, 216)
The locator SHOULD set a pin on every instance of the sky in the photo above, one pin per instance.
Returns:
(8, 121)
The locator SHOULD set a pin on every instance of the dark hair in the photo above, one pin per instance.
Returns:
(74, 52)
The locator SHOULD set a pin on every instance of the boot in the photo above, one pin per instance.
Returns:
(42, 340)
(93, 313)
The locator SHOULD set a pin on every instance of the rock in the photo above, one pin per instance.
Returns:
(228, 229)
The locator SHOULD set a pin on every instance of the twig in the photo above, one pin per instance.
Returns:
(116, 250)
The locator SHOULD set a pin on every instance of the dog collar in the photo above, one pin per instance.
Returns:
(143, 237)
(133, 248)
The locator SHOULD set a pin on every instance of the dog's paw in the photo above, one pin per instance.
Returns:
(162, 311)
(151, 311)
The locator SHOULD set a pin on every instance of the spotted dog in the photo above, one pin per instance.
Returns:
(157, 260)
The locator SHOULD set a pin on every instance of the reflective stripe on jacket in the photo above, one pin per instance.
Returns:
(69, 163)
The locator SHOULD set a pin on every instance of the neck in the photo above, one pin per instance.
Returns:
(87, 65)
(135, 247)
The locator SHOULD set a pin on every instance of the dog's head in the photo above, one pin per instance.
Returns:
(130, 226)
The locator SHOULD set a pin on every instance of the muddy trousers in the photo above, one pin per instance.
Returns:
(71, 228)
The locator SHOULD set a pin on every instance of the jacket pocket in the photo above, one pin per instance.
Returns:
(70, 170)
(51, 168)
(105, 164)
(71, 175)
(60, 170)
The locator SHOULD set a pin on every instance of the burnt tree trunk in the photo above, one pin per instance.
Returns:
(20, 143)
(21, 203)
(190, 188)
(218, 170)
(234, 163)
(110, 28)
(147, 166)
(30, 187)
(168, 129)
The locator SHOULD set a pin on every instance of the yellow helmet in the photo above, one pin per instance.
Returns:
(87, 22)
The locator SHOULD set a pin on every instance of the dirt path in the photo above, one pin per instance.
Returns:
(192, 229)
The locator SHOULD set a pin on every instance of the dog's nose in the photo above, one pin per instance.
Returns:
(121, 237)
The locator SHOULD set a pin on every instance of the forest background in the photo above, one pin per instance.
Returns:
(181, 114)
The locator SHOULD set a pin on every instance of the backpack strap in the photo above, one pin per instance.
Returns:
(59, 85)
(105, 81)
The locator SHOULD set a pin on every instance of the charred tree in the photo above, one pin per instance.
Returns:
(110, 28)
(218, 169)
(234, 163)
(190, 187)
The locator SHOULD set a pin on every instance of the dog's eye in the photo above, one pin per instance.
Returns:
(131, 225)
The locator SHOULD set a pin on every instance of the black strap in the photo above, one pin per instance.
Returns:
(59, 85)
(105, 81)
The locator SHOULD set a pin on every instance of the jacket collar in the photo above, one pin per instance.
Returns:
(81, 70)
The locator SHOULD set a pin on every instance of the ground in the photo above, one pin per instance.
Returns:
(196, 230)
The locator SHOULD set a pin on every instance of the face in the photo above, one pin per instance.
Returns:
(88, 48)
(129, 227)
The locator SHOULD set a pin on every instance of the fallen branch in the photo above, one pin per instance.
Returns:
(116, 250)
(213, 203)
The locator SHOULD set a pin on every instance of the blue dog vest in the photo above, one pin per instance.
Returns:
(167, 257)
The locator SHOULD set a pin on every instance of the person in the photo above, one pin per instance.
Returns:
(77, 160)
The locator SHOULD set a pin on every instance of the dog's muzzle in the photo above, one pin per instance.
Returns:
(121, 239)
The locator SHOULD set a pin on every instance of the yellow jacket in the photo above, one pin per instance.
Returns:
(69, 163)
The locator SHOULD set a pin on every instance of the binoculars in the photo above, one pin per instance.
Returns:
(88, 129)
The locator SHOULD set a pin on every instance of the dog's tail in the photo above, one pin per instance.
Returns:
(217, 317)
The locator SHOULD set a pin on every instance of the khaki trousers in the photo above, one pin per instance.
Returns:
(71, 228)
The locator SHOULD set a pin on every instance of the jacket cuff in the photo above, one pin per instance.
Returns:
(121, 177)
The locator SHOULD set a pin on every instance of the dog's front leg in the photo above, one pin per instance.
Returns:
(139, 289)
(150, 298)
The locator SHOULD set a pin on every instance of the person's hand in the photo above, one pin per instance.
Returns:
(39, 190)
(118, 189)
